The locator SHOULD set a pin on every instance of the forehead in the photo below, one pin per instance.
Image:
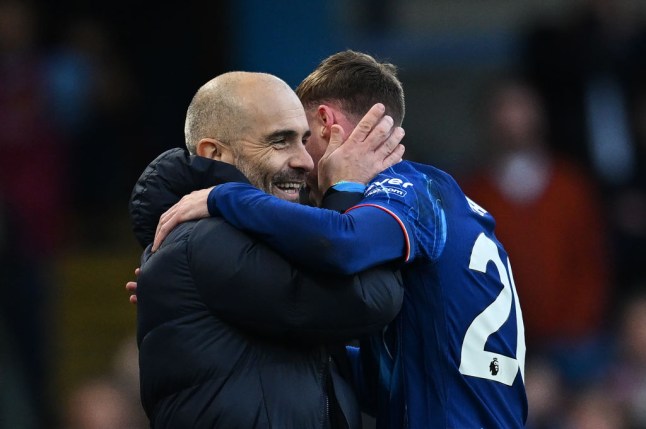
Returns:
(277, 109)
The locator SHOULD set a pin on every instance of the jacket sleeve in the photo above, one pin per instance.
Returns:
(248, 284)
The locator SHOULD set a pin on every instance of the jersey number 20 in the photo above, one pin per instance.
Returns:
(475, 360)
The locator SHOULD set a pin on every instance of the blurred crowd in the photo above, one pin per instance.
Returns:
(563, 171)
(66, 133)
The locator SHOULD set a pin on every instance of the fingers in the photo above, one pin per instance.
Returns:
(337, 137)
(132, 288)
(166, 225)
(137, 271)
(394, 157)
(165, 217)
(168, 213)
(167, 222)
(190, 207)
(380, 134)
(163, 230)
(368, 122)
(392, 150)
(384, 138)
(392, 142)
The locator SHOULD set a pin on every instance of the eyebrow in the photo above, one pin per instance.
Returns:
(286, 134)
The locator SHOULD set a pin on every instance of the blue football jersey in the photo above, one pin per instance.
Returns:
(458, 352)
(454, 357)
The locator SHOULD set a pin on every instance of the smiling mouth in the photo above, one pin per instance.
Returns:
(290, 188)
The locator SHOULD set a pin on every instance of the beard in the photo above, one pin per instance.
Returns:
(260, 175)
(256, 174)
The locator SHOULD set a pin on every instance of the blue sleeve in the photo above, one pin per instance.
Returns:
(322, 239)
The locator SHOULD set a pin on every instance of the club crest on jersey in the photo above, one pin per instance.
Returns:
(388, 186)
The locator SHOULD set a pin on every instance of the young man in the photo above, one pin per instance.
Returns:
(230, 334)
(454, 357)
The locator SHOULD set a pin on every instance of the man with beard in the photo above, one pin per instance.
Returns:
(230, 334)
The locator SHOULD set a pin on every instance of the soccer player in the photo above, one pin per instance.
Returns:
(454, 357)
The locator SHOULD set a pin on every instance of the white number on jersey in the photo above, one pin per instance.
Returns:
(475, 360)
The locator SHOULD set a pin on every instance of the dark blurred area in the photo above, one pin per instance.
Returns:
(538, 108)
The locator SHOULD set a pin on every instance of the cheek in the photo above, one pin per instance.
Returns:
(316, 156)
(316, 149)
(272, 165)
(313, 177)
(256, 167)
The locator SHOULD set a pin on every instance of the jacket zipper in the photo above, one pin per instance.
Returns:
(325, 374)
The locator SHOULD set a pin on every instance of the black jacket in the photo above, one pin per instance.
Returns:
(230, 334)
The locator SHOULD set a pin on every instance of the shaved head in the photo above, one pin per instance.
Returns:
(255, 122)
(224, 107)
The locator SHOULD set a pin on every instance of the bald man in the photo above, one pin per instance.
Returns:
(230, 334)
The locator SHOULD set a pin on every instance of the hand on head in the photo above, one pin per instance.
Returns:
(373, 146)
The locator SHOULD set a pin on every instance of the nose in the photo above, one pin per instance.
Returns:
(301, 159)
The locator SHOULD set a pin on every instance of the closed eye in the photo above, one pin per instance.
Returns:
(283, 138)
(279, 144)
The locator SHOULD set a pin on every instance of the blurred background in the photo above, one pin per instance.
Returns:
(537, 107)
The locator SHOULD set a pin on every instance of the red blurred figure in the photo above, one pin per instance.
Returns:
(550, 220)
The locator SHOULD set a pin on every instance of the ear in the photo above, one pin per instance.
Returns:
(212, 148)
(326, 117)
